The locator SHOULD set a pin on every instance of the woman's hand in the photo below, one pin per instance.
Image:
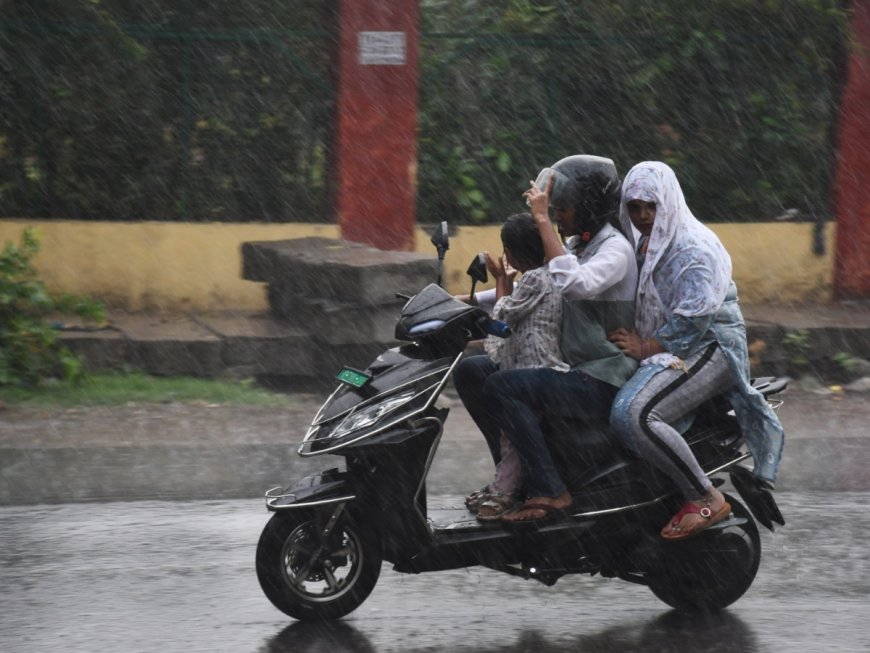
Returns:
(629, 342)
(539, 201)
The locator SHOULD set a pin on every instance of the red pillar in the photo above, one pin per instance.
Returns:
(852, 183)
(376, 130)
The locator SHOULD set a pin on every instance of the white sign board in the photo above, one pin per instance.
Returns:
(381, 48)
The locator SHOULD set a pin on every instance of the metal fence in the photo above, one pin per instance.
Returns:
(749, 131)
(141, 122)
(165, 125)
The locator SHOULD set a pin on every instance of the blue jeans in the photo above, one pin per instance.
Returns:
(510, 401)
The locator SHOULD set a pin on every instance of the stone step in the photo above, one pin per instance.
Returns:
(231, 344)
(339, 270)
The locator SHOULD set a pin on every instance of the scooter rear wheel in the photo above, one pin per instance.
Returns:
(711, 570)
(309, 578)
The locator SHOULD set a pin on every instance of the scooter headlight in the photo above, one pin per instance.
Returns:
(370, 415)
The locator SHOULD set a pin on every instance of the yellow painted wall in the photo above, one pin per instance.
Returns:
(774, 262)
(151, 266)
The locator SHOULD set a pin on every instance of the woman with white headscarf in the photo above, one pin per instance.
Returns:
(690, 339)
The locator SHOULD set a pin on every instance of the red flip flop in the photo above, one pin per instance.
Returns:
(709, 518)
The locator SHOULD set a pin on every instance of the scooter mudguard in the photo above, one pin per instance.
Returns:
(758, 498)
(328, 487)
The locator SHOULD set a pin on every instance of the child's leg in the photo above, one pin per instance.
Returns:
(508, 476)
(508, 472)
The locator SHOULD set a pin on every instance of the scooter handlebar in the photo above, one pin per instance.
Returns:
(496, 328)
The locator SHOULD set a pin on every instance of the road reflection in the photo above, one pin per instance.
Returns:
(335, 637)
(671, 631)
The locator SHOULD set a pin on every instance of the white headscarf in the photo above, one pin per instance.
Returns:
(686, 270)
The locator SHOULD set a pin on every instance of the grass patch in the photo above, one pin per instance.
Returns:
(115, 389)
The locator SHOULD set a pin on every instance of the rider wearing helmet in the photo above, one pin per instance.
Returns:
(596, 271)
(588, 183)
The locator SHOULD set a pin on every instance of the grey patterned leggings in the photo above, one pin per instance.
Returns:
(665, 398)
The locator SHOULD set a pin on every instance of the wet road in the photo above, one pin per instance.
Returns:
(178, 576)
(167, 576)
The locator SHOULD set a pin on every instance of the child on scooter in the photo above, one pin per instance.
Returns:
(533, 309)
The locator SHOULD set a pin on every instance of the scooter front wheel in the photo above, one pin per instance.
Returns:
(310, 577)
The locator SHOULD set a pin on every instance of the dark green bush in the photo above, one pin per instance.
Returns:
(739, 96)
(222, 111)
(164, 110)
(29, 348)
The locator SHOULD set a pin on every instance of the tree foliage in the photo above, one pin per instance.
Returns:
(739, 96)
(182, 110)
(164, 110)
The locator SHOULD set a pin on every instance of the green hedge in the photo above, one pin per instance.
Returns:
(739, 97)
(165, 110)
(221, 111)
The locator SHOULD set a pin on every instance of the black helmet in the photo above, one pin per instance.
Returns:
(588, 183)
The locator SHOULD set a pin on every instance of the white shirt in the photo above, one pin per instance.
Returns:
(605, 269)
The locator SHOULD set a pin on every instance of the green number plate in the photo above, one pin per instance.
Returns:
(353, 377)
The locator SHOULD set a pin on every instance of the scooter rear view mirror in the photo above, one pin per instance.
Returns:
(477, 272)
(477, 269)
(441, 239)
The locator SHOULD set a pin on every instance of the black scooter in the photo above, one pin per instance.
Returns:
(320, 554)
